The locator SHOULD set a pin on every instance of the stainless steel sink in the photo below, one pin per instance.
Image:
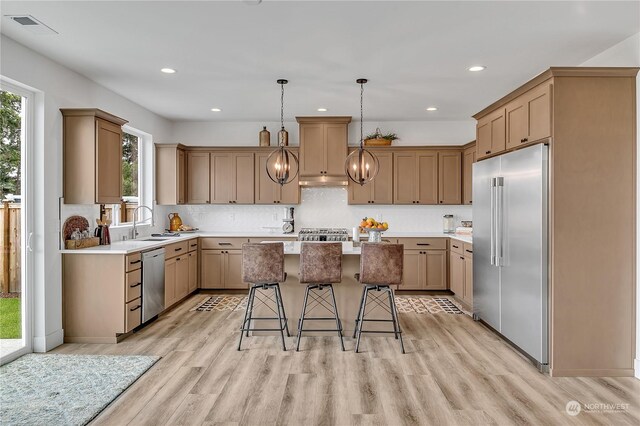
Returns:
(154, 239)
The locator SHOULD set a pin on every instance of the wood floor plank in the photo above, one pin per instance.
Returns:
(297, 407)
(456, 372)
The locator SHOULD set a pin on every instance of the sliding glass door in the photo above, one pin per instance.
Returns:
(15, 221)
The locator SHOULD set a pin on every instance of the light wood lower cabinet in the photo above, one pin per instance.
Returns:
(461, 272)
(193, 271)
(101, 295)
(177, 273)
(425, 263)
(222, 269)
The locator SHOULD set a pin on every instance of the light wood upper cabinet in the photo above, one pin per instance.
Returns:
(427, 163)
(171, 165)
(468, 158)
(529, 116)
(323, 146)
(243, 173)
(491, 134)
(450, 177)
(232, 178)
(198, 169)
(312, 150)
(335, 149)
(221, 177)
(269, 192)
(92, 134)
(539, 112)
(415, 177)
(380, 190)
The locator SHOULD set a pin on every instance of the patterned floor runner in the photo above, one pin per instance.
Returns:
(405, 304)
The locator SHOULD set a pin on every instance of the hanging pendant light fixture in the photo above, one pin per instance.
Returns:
(282, 164)
(361, 165)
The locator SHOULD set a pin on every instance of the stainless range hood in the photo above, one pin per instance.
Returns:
(321, 181)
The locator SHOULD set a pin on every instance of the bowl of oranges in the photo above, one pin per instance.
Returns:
(374, 228)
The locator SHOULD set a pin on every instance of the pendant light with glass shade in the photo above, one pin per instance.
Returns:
(282, 164)
(361, 165)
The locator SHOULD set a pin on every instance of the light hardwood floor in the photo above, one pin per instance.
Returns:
(455, 372)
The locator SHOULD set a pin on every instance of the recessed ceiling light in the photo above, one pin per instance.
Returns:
(216, 109)
(168, 70)
(322, 110)
(432, 109)
(476, 68)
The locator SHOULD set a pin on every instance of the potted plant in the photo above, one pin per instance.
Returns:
(380, 139)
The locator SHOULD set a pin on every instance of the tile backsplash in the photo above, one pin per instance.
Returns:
(320, 207)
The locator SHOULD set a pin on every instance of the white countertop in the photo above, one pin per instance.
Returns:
(132, 246)
(293, 247)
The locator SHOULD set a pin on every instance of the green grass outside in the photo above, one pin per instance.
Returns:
(10, 323)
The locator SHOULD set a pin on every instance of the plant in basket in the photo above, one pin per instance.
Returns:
(380, 139)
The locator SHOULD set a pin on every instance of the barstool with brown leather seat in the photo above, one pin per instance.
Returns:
(320, 268)
(380, 267)
(263, 269)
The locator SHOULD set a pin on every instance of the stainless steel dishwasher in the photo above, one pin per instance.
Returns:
(152, 283)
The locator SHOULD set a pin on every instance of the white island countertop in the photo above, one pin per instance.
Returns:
(149, 243)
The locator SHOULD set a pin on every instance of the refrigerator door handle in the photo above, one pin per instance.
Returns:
(492, 215)
(499, 221)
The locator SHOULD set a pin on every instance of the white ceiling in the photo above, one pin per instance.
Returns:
(229, 54)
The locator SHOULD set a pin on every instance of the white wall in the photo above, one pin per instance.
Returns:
(59, 87)
(206, 133)
(627, 54)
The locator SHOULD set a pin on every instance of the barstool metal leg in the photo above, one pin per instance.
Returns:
(335, 312)
(278, 305)
(355, 329)
(391, 304)
(284, 314)
(396, 323)
(247, 315)
(301, 320)
(252, 297)
(363, 306)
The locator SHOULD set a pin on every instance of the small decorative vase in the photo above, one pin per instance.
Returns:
(265, 137)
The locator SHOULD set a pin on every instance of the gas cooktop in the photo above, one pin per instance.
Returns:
(323, 234)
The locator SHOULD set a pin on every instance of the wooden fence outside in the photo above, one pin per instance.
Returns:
(10, 247)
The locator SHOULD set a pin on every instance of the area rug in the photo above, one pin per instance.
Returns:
(427, 305)
(57, 389)
(221, 303)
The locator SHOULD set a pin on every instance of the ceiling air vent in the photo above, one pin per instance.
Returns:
(31, 24)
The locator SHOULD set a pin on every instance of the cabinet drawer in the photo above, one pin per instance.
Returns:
(457, 246)
(468, 250)
(222, 243)
(133, 314)
(133, 283)
(175, 249)
(133, 262)
(423, 243)
(193, 244)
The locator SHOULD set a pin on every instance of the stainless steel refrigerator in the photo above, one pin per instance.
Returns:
(510, 245)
